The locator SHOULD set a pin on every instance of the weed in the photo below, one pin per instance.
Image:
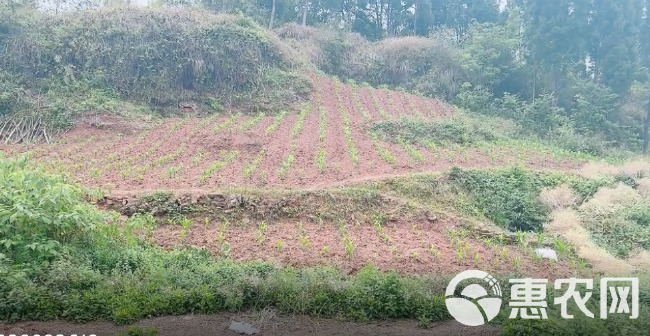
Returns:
(279, 245)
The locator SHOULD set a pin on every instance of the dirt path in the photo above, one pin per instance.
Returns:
(267, 322)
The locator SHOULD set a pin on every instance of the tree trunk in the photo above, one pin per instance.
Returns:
(646, 125)
(555, 86)
(304, 13)
(415, 18)
(272, 15)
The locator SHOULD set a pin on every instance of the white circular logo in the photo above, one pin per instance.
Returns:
(475, 306)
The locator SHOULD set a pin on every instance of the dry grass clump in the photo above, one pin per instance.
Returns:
(644, 186)
(566, 224)
(608, 201)
(637, 169)
(558, 198)
(342, 54)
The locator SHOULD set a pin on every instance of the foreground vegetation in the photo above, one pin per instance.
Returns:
(62, 258)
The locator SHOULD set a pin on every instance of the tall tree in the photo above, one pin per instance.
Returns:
(614, 28)
(645, 59)
(555, 34)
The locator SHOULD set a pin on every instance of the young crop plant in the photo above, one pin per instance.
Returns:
(321, 156)
(228, 158)
(276, 122)
(173, 172)
(412, 152)
(383, 153)
(252, 166)
(301, 120)
(221, 234)
(321, 160)
(412, 106)
(170, 157)
(286, 165)
(197, 157)
(302, 236)
(376, 224)
(96, 174)
(347, 242)
(347, 132)
(357, 102)
(434, 252)
(227, 124)
(380, 110)
(185, 227)
(253, 122)
(261, 233)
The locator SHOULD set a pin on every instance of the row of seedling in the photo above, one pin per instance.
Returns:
(286, 164)
(359, 105)
(227, 124)
(253, 165)
(321, 156)
(227, 159)
(410, 150)
(347, 131)
(379, 109)
(383, 152)
(276, 122)
(248, 125)
(304, 111)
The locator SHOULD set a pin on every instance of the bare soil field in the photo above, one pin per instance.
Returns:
(406, 247)
(267, 322)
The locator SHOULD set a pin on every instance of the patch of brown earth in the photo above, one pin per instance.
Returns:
(407, 247)
(266, 321)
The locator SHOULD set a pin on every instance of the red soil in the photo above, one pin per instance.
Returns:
(413, 248)
(125, 157)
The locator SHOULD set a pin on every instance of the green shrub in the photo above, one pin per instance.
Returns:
(38, 213)
(457, 130)
(507, 197)
(158, 57)
(140, 331)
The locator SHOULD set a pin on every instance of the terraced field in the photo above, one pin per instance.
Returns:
(324, 144)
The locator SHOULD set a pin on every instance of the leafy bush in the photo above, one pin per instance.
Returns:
(457, 130)
(39, 212)
(508, 197)
(159, 57)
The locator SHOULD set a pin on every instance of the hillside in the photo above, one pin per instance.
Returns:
(326, 143)
(163, 161)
